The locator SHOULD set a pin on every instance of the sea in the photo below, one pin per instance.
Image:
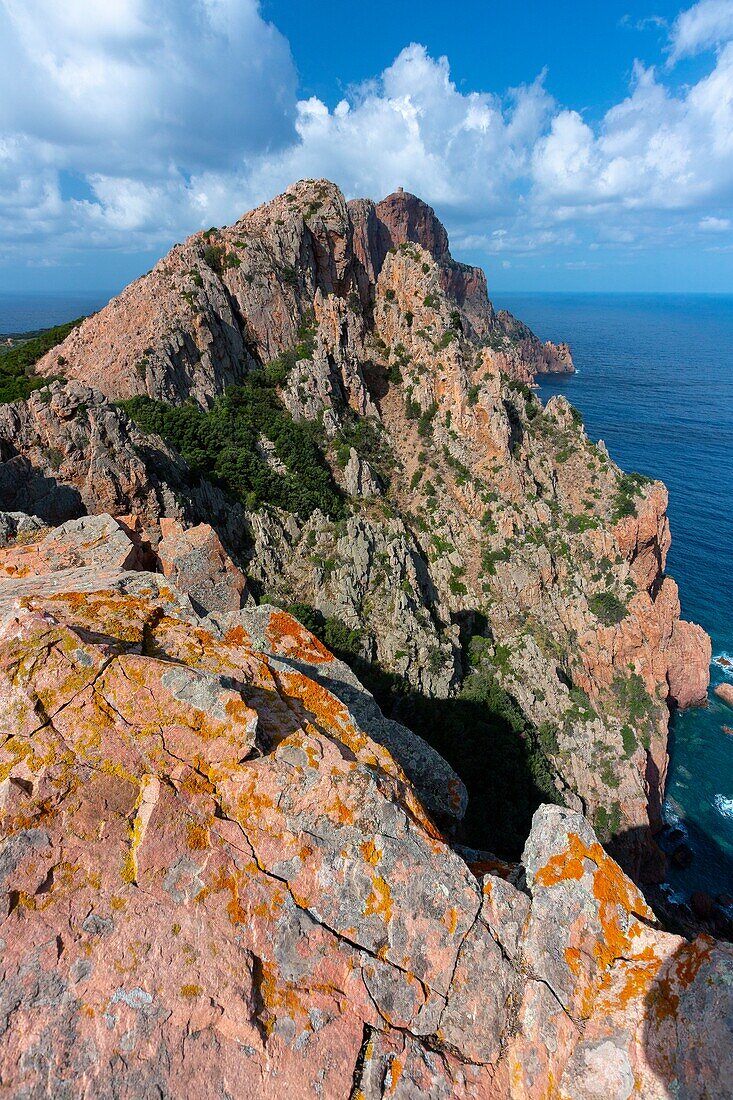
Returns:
(654, 380)
(28, 312)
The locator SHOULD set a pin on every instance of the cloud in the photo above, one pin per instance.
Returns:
(167, 116)
(701, 27)
(138, 85)
(657, 21)
(710, 224)
(656, 150)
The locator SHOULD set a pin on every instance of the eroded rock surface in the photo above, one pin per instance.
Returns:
(215, 881)
(482, 535)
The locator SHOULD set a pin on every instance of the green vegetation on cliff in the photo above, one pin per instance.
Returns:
(224, 445)
(17, 380)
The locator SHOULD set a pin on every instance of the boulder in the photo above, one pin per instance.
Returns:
(95, 541)
(688, 658)
(197, 564)
(725, 692)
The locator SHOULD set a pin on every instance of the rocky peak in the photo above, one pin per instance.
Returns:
(405, 218)
(329, 404)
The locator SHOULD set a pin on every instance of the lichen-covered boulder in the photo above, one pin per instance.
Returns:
(215, 881)
(197, 563)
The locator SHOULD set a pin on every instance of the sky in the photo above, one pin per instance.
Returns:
(567, 145)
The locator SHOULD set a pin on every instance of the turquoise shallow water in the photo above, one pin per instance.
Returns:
(655, 381)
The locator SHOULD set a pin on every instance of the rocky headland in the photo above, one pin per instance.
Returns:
(336, 679)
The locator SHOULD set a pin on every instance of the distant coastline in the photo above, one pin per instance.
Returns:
(22, 313)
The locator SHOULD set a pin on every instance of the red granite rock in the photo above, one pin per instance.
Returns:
(725, 692)
(215, 883)
(197, 564)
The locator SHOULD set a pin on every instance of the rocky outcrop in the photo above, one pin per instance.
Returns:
(17, 525)
(484, 541)
(196, 563)
(216, 881)
(725, 692)
(67, 451)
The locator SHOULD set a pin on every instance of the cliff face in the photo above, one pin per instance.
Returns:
(484, 536)
(219, 880)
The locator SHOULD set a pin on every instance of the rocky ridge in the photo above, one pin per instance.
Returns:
(217, 880)
(483, 540)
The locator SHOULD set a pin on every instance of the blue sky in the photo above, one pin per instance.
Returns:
(566, 145)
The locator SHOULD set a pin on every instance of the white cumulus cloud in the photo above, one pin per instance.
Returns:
(706, 24)
(129, 123)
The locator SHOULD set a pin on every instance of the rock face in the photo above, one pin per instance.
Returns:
(197, 564)
(484, 541)
(216, 881)
(725, 692)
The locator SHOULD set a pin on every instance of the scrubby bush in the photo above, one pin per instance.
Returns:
(607, 608)
(628, 487)
(17, 380)
(221, 445)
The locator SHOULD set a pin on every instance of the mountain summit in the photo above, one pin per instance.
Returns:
(335, 675)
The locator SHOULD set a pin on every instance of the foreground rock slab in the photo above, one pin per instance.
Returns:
(215, 882)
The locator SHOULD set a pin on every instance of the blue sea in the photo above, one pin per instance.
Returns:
(655, 381)
(27, 312)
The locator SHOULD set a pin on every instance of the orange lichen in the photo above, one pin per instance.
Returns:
(191, 990)
(370, 852)
(572, 958)
(286, 635)
(237, 636)
(197, 836)
(565, 865)
(664, 997)
(619, 907)
(222, 881)
(379, 901)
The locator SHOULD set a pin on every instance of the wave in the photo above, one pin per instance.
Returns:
(724, 806)
(724, 663)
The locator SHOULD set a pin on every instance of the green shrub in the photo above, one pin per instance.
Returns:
(290, 276)
(214, 257)
(547, 734)
(607, 608)
(629, 741)
(424, 426)
(17, 380)
(489, 558)
(628, 487)
(579, 524)
(221, 445)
